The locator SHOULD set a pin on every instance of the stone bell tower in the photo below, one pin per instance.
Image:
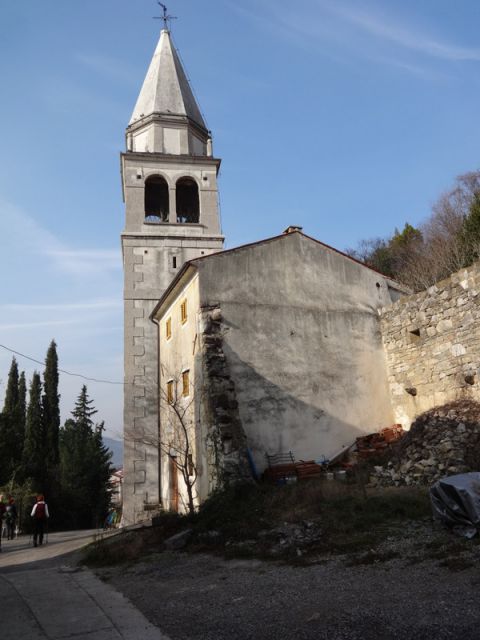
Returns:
(169, 179)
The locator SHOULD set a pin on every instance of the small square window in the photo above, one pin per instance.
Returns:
(191, 466)
(183, 311)
(186, 383)
(168, 328)
(170, 391)
(414, 335)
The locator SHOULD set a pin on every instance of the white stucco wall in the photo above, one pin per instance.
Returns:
(303, 344)
(178, 354)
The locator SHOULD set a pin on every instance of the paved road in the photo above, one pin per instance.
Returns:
(44, 596)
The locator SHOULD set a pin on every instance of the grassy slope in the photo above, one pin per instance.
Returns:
(344, 517)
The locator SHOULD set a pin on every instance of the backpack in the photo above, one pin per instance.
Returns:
(40, 511)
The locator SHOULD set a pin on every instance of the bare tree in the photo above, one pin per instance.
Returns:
(444, 249)
(178, 432)
(176, 438)
(441, 246)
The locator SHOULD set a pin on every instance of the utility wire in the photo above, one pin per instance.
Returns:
(68, 373)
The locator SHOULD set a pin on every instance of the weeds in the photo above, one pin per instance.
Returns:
(344, 518)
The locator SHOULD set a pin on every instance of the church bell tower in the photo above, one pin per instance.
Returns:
(169, 179)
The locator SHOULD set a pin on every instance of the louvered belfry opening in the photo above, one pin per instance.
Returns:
(156, 199)
(188, 204)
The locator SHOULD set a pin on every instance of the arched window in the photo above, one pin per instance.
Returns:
(188, 204)
(156, 199)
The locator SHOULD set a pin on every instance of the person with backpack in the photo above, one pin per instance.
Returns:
(11, 518)
(40, 515)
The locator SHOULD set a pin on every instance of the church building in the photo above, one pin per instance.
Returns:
(230, 355)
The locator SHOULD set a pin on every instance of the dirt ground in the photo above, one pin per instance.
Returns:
(422, 583)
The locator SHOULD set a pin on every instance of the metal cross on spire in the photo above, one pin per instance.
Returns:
(165, 16)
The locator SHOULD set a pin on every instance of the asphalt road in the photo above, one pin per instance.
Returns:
(44, 595)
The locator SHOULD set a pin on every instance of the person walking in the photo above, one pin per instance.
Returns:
(11, 515)
(40, 515)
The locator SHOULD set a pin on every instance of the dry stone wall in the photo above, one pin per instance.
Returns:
(432, 345)
(227, 457)
(441, 442)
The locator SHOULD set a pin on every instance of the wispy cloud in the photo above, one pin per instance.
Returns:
(406, 37)
(35, 325)
(340, 29)
(82, 261)
(109, 67)
(88, 305)
(21, 231)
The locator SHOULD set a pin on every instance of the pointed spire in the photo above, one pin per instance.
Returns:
(166, 89)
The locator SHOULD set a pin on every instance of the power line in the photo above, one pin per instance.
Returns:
(68, 373)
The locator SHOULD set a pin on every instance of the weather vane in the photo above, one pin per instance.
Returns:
(165, 16)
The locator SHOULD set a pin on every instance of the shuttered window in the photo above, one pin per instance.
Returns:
(186, 383)
(183, 311)
(170, 391)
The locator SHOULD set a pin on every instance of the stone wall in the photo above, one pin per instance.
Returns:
(432, 345)
(224, 438)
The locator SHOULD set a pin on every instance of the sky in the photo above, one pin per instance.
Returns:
(346, 117)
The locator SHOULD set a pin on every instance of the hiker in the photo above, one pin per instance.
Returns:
(2, 512)
(40, 515)
(11, 515)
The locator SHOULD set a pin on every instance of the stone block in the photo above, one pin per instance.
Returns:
(458, 350)
(139, 477)
(140, 465)
(138, 312)
(138, 350)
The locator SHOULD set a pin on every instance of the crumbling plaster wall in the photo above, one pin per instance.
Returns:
(302, 341)
(223, 438)
(432, 344)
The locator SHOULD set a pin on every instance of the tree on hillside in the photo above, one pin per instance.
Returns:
(470, 233)
(51, 408)
(85, 466)
(375, 253)
(389, 256)
(12, 430)
(33, 459)
(100, 472)
(22, 408)
(443, 244)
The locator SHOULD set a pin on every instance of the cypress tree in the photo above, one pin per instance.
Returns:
(3, 449)
(22, 409)
(11, 395)
(34, 446)
(51, 408)
(12, 428)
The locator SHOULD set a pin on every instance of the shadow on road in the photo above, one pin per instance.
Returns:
(62, 548)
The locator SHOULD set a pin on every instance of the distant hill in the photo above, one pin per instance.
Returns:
(116, 447)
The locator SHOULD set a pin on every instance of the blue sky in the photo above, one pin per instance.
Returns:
(345, 117)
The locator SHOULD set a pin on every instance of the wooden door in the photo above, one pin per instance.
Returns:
(173, 485)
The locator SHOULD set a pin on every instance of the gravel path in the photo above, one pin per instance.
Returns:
(203, 597)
